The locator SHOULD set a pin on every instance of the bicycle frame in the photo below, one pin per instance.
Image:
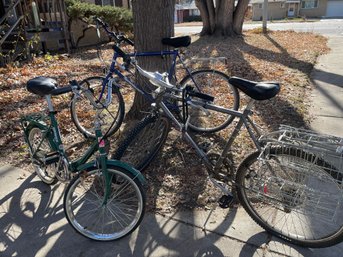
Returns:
(52, 134)
(113, 70)
(243, 117)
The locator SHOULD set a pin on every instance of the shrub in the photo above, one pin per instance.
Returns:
(119, 18)
(192, 18)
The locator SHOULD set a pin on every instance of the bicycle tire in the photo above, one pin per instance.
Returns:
(225, 95)
(143, 143)
(43, 171)
(296, 201)
(83, 113)
(87, 213)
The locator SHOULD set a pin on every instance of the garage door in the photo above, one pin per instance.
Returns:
(334, 9)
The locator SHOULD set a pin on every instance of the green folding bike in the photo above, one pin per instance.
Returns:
(105, 199)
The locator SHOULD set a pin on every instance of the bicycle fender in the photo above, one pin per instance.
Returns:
(135, 173)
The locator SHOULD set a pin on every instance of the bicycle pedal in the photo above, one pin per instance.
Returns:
(206, 146)
(225, 201)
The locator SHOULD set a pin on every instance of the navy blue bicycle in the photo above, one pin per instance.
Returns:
(106, 91)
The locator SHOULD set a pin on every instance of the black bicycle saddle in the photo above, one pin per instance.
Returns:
(41, 85)
(256, 90)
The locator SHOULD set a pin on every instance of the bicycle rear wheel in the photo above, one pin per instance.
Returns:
(89, 215)
(143, 143)
(83, 112)
(217, 84)
(46, 172)
(293, 195)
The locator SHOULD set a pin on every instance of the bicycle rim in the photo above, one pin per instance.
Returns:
(47, 173)
(217, 84)
(83, 112)
(86, 212)
(292, 198)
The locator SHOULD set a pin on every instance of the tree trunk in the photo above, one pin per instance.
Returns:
(153, 20)
(224, 16)
(238, 17)
(207, 13)
(217, 18)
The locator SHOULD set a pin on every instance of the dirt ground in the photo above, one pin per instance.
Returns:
(177, 179)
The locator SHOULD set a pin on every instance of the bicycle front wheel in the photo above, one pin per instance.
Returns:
(217, 84)
(83, 112)
(143, 143)
(104, 219)
(293, 195)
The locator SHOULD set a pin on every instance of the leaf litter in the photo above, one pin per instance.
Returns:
(177, 179)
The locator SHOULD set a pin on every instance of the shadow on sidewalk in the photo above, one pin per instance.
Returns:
(277, 247)
(32, 224)
(327, 77)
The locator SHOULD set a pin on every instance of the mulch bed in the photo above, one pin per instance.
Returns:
(177, 179)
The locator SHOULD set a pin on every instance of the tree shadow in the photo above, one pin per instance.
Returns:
(279, 111)
(27, 213)
(327, 77)
(33, 212)
(260, 246)
(325, 90)
(235, 49)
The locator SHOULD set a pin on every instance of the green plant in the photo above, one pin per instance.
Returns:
(117, 17)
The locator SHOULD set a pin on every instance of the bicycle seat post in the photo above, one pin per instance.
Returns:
(50, 106)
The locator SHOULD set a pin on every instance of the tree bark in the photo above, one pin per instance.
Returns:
(207, 13)
(220, 17)
(238, 17)
(224, 16)
(153, 20)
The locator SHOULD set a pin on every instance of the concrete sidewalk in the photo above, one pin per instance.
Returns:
(32, 223)
(327, 98)
(32, 220)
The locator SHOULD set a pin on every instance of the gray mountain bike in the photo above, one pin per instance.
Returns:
(291, 186)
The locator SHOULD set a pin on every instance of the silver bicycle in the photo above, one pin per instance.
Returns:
(291, 186)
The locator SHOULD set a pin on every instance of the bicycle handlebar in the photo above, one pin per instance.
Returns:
(118, 37)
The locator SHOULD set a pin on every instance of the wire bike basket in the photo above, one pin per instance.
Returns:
(305, 173)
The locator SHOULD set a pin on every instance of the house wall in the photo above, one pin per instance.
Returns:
(90, 38)
(314, 12)
(275, 12)
(120, 3)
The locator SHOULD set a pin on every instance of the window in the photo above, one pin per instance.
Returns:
(108, 2)
(308, 4)
(283, 5)
(260, 6)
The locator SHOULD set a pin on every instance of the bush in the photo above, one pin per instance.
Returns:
(119, 18)
(192, 18)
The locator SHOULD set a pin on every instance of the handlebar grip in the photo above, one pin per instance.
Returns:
(206, 97)
(100, 21)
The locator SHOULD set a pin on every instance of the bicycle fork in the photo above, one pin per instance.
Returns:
(102, 163)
